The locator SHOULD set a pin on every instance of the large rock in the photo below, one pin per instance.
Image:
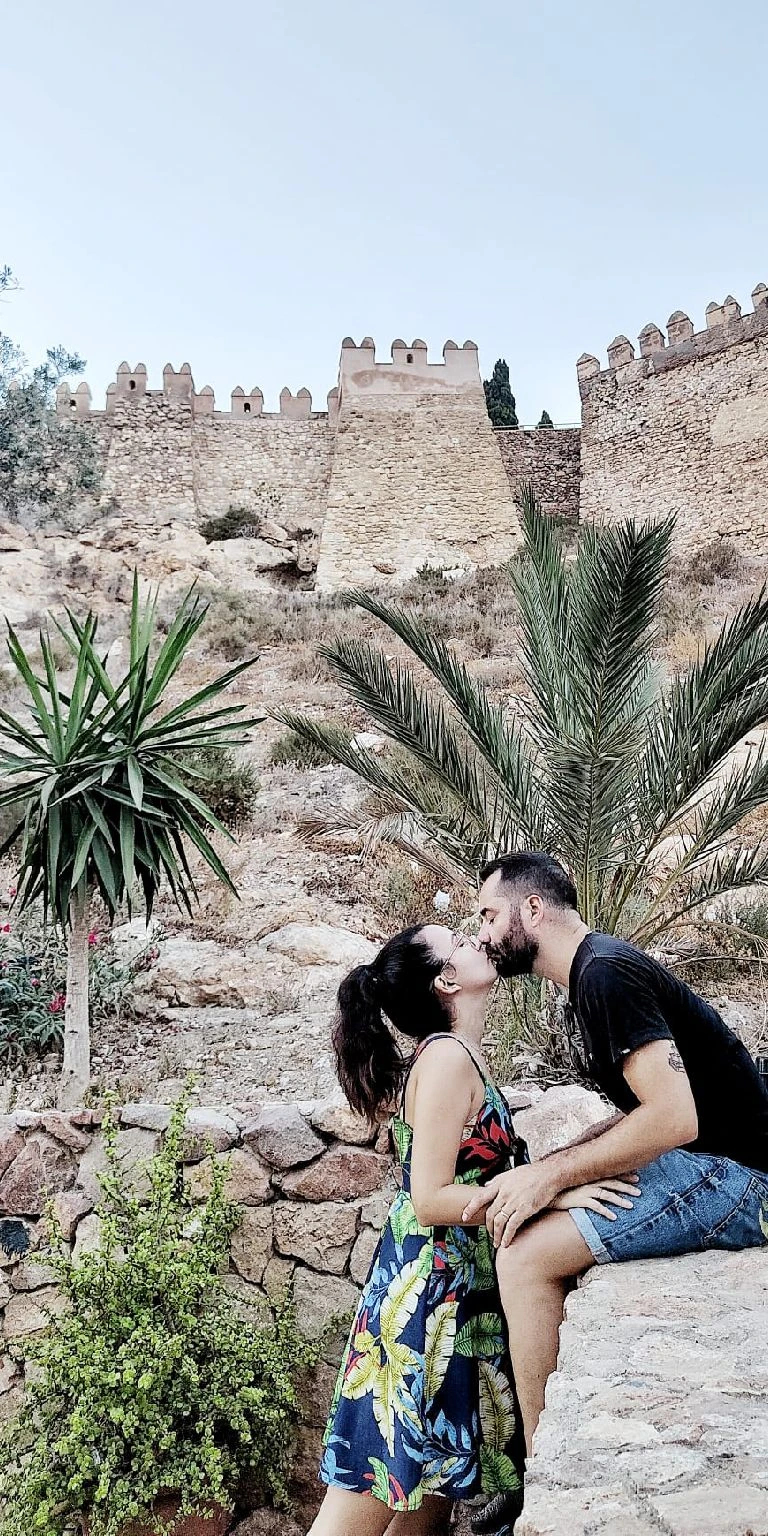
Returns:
(334, 1118)
(320, 944)
(31, 1312)
(11, 1144)
(68, 1208)
(198, 973)
(207, 1130)
(41, 1169)
(281, 1135)
(62, 1129)
(135, 1150)
(559, 1116)
(319, 1235)
(246, 1181)
(343, 1173)
(252, 1243)
(321, 1298)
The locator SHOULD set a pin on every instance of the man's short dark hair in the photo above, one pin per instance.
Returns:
(539, 872)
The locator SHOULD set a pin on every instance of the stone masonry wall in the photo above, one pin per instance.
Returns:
(656, 1417)
(656, 1420)
(416, 477)
(683, 428)
(551, 459)
(313, 1187)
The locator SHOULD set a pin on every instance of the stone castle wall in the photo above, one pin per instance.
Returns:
(416, 476)
(683, 428)
(403, 468)
(551, 459)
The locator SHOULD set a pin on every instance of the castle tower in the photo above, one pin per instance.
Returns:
(416, 476)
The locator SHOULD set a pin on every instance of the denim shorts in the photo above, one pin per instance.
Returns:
(688, 1201)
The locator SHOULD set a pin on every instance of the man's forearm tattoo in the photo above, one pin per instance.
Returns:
(675, 1060)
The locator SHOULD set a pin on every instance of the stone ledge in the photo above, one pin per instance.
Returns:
(656, 1419)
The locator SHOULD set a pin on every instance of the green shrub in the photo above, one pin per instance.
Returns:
(236, 626)
(33, 970)
(236, 523)
(152, 1379)
(226, 784)
(719, 560)
(404, 895)
(292, 748)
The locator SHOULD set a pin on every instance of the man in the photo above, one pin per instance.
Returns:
(693, 1118)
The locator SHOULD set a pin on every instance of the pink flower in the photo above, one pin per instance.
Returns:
(34, 981)
(93, 937)
(12, 891)
(57, 1003)
(6, 928)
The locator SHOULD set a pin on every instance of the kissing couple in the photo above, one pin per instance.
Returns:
(442, 1380)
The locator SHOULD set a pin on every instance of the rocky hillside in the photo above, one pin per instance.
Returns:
(243, 993)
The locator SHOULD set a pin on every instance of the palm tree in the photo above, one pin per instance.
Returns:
(94, 777)
(624, 776)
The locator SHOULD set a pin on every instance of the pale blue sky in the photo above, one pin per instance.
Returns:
(241, 185)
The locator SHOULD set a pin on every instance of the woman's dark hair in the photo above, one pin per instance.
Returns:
(369, 1062)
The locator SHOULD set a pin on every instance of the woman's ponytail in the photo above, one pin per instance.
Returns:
(368, 1062)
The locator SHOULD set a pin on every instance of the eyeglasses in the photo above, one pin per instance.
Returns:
(459, 938)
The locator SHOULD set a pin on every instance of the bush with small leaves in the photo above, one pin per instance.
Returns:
(152, 1380)
(290, 748)
(228, 785)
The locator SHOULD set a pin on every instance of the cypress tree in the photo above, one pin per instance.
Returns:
(499, 398)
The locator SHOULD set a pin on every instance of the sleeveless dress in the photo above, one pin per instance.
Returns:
(424, 1401)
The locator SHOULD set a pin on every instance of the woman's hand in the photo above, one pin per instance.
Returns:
(600, 1196)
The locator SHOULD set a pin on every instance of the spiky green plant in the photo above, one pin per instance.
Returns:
(624, 776)
(94, 777)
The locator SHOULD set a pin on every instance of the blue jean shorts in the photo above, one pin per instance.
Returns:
(688, 1201)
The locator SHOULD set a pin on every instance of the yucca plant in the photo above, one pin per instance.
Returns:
(622, 774)
(93, 775)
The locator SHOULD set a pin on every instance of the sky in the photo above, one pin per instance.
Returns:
(239, 186)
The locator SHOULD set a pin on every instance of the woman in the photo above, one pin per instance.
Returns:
(424, 1410)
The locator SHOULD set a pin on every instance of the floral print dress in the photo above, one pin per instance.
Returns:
(424, 1401)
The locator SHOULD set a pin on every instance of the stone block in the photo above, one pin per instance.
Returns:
(42, 1168)
(87, 1237)
(62, 1129)
(559, 1116)
(320, 1235)
(247, 1179)
(320, 944)
(31, 1312)
(135, 1149)
(319, 1298)
(278, 1276)
(31, 1276)
(334, 1118)
(342, 1173)
(714, 1509)
(282, 1137)
(362, 1255)
(207, 1130)
(68, 1207)
(11, 1144)
(252, 1243)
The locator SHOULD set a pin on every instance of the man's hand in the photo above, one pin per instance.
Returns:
(511, 1199)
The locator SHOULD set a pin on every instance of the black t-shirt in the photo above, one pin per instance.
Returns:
(623, 999)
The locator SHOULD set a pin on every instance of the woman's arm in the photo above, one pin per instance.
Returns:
(444, 1089)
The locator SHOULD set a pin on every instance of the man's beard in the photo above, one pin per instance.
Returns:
(515, 954)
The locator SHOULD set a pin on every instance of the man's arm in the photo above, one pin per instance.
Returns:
(665, 1118)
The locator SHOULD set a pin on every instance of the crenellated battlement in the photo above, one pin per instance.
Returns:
(726, 327)
(408, 372)
(130, 388)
